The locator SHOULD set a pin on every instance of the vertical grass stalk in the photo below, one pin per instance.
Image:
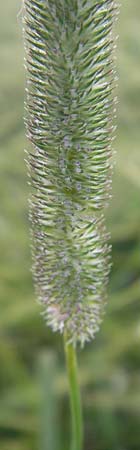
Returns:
(70, 111)
(75, 398)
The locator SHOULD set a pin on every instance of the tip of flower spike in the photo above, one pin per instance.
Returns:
(77, 306)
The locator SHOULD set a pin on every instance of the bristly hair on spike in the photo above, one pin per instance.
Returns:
(70, 110)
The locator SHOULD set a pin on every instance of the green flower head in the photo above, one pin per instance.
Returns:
(70, 123)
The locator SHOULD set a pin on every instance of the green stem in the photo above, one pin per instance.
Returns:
(75, 400)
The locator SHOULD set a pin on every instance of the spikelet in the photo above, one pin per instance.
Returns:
(70, 123)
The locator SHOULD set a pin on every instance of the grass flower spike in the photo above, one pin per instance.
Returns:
(70, 112)
(70, 123)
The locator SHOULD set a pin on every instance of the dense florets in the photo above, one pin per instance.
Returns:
(70, 115)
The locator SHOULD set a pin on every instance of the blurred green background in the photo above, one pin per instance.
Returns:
(34, 408)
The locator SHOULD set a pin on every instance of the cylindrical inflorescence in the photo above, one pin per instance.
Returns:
(70, 111)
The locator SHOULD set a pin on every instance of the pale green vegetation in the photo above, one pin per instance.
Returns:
(109, 367)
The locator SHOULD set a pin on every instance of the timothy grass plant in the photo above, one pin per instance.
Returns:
(70, 111)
